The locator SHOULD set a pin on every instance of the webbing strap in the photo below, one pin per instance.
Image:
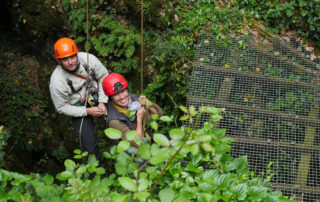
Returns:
(79, 76)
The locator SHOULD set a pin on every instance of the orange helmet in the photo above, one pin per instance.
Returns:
(65, 47)
(114, 83)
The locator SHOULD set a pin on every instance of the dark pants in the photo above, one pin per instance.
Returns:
(88, 135)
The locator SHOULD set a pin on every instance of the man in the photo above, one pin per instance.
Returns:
(76, 90)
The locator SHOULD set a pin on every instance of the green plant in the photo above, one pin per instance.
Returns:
(300, 15)
(113, 42)
(3, 142)
(182, 164)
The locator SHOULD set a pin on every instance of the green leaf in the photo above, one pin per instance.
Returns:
(154, 149)
(289, 12)
(120, 168)
(81, 170)
(222, 181)
(106, 155)
(184, 117)
(207, 147)
(144, 151)
(66, 174)
(239, 164)
(100, 170)
(154, 125)
(205, 138)
(70, 165)
(123, 146)
(154, 116)
(131, 135)
(208, 175)
(77, 151)
(128, 183)
(141, 196)
(192, 110)
(240, 191)
(195, 149)
(20, 178)
(304, 12)
(212, 110)
(184, 109)
(165, 119)
(181, 199)
(143, 185)
(161, 140)
(256, 192)
(77, 156)
(48, 179)
(222, 148)
(167, 195)
(112, 133)
(120, 198)
(161, 156)
(176, 133)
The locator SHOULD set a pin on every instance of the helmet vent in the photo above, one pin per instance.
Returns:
(117, 87)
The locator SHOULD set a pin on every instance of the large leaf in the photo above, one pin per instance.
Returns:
(238, 164)
(165, 119)
(195, 149)
(123, 146)
(160, 156)
(222, 181)
(112, 133)
(70, 165)
(161, 140)
(128, 183)
(48, 179)
(119, 198)
(209, 175)
(256, 192)
(184, 109)
(141, 196)
(131, 135)
(240, 191)
(167, 195)
(144, 151)
(143, 185)
(176, 133)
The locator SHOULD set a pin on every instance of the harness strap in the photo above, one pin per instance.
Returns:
(79, 76)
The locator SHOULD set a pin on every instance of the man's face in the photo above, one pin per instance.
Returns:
(69, 63)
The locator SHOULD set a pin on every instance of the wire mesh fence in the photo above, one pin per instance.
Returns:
(270, 91)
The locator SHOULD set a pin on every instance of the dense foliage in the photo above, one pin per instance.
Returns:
(182, 164)
(300, 15)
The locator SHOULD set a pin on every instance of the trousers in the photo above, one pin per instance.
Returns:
(88, 135)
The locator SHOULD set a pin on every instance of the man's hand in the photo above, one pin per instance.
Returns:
(102, 106)
(95, 111)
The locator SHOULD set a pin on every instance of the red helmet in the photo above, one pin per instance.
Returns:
(114, 83)
(65, 47)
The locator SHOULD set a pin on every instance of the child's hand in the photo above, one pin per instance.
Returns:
(142, 99)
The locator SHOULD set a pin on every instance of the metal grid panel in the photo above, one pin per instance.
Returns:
(270, 89)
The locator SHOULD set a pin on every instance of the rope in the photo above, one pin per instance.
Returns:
(141, 57)
(87, 50)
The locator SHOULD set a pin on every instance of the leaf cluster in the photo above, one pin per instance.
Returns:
(180, 164)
